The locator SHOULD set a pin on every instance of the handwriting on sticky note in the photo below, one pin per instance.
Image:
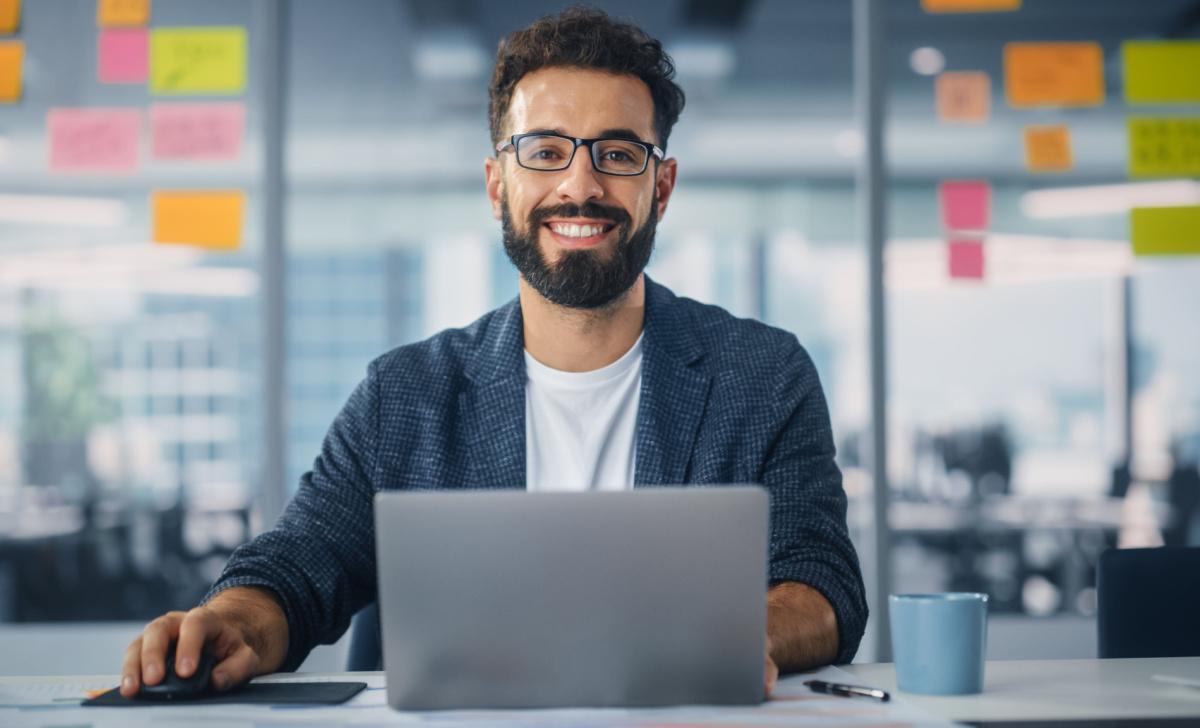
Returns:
(969, 6)
(1164, 146)
(1053, 74)
(965, 204)
(10, 16)
(12, 56)
(963, 96)
(123, 55)
(122, 12)
(1161, 72)
(198, 60)
(1048, 148)
(207, 218)
(94, 140)
(1165, 230)
(197, 131)
(965, 258)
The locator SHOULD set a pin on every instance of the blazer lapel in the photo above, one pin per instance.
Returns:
(492, 409)
(674, 393)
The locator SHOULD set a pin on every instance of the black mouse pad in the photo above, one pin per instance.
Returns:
(318, 693)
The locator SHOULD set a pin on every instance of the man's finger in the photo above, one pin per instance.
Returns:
(235, 669)
(196, 628)
(131, 668)
(156, 638)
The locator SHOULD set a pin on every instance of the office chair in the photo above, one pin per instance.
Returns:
(1149, 602)
(366, 644)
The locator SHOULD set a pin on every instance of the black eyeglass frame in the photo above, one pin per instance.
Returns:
(652, 151)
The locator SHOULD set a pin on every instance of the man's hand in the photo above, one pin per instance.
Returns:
(244, 627)
(770, 673)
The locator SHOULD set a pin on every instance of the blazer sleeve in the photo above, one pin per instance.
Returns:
(319, 559)
(809, 542)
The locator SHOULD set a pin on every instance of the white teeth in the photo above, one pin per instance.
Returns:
(576, 231)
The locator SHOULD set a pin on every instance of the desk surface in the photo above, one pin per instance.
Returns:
(1060, 689)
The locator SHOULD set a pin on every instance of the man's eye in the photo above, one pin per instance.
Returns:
(544, 154)
(616, 156)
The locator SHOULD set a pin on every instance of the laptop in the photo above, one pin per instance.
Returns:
(511, 599)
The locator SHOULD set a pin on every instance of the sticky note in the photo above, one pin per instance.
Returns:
(1161, 72)
(1164, 146)
(969, 6)
(122, 12)
(1048, 148)
(1165, 230)
(965, 204)
(965, 258)
(963, 96)
(94, 140)
(197, 131)
(198, 60)
(10, 16)
(1053, 74)
(12, 55)
(123, 56)
(207, 218)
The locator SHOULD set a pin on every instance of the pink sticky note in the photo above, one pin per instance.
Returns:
(965, 204)
(966, 258)
(197, 131)
(123, 55)
(94, 140)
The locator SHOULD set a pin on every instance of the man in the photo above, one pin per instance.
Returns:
(594, 378)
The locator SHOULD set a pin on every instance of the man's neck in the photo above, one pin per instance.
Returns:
(573, 340)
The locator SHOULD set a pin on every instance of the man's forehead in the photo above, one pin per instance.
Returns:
(581, 102)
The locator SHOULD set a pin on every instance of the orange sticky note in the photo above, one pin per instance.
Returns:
(969, 6)
(1053, 74)
(207, 218)
(963, 96)
(10, 16)
(12, 53)
(1048, 148)
(119, 13)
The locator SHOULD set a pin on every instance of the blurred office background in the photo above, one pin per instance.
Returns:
(1035, 417)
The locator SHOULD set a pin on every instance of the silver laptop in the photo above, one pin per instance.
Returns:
(510, 599)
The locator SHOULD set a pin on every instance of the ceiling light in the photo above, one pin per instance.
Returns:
(927, 61)
(1095, 200)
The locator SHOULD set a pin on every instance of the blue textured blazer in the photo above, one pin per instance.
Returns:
(723, 400)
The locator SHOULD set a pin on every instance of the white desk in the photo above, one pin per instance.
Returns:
(1061, 689)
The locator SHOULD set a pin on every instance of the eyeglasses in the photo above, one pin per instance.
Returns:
(545, 152)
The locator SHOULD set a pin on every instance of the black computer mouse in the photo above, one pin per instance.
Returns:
(174, 687)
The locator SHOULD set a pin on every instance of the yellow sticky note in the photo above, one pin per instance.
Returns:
(207, 218)
(969, 6)
(963, 96)
(10, 16)
(122, 13)
(1164, 146)
(12, 53)
(1165, 230)
(1161, 72)
(1053, 74)
(198, 60)
(1048, 148)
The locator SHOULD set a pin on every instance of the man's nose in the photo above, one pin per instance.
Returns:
(580, 181)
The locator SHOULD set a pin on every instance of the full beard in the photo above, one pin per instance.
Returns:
(580, 279)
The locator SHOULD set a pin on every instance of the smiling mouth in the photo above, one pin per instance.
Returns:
(579, 231)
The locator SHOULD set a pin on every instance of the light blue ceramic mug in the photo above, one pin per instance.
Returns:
(938, 642)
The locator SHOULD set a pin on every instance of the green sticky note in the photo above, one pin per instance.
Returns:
(198, 60)
(1164, 146)
(1161, 72)
(1165, 230)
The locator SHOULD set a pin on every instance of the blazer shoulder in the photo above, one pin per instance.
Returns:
(741, 342)
(446, 355)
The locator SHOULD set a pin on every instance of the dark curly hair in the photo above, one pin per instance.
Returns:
(584, 37)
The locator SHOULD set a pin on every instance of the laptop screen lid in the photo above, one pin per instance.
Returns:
(510, 599)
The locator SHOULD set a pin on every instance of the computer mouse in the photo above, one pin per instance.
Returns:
(174, 687)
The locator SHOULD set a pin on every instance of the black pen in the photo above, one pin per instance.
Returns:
(847, 691)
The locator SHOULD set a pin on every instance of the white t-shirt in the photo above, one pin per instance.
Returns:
(579, 426)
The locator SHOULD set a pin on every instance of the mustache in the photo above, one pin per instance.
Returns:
(593, 210)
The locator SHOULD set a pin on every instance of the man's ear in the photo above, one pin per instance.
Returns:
(494, 181)
(664, 184)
